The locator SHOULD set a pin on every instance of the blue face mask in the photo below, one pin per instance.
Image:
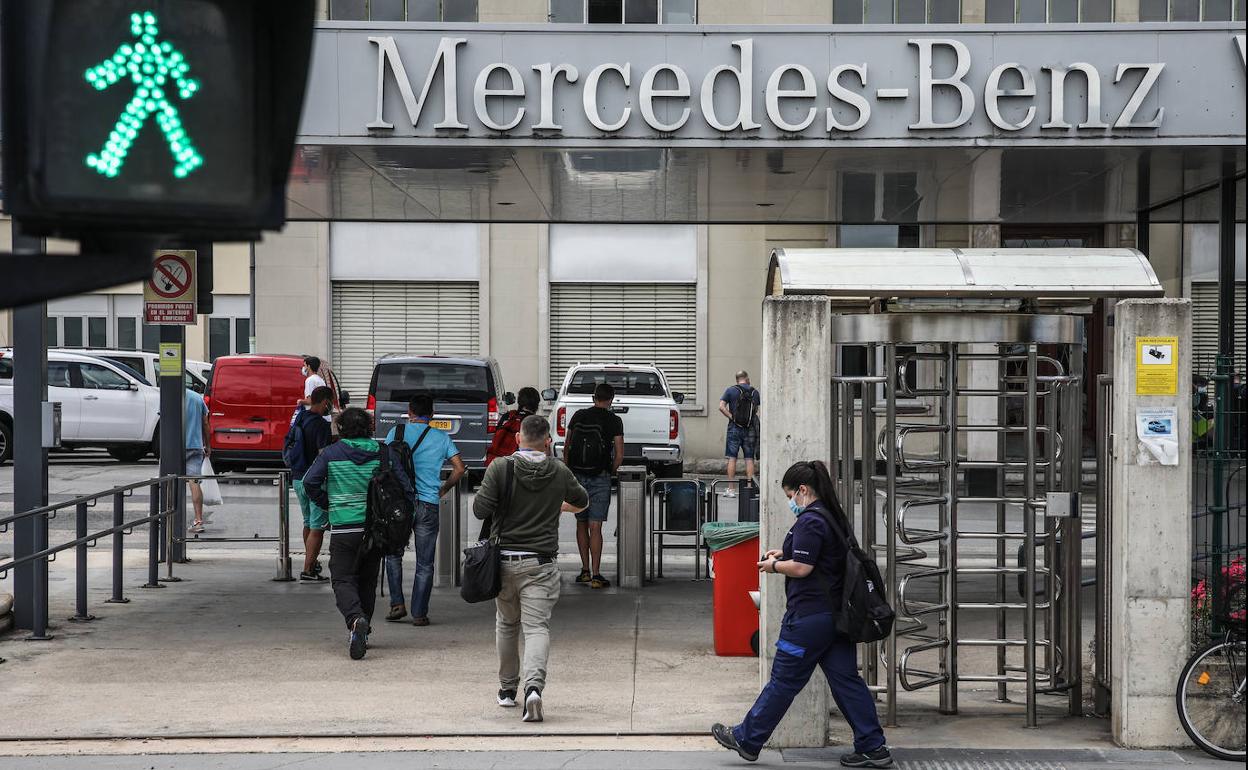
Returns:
(793, 506)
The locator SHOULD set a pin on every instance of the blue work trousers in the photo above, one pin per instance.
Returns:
(425, 532)
(806, 642)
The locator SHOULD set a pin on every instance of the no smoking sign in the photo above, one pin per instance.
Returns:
(169, 294)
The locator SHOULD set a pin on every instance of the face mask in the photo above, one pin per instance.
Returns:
(793, 506)
(305, 371)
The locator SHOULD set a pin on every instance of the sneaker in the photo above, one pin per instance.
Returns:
(584, 577)
(316, 567)
(397, 612)
(422, 621)
(197, 527)
(724, 737)
(532, 705)
(313, 577)
(730, 492)
(878, 758)
(359, 639)
(598, 581)
(507, 699)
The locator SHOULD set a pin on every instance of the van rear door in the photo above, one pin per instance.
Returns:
(286, 388)
(241, 394)
(462, 392)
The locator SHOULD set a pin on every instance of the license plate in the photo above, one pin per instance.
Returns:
(441, 424)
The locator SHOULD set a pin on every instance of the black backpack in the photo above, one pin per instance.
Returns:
(389, 510)
(865, 615)
(587, 448)
(744, 411)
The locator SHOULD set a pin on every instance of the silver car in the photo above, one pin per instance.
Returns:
(467, 398)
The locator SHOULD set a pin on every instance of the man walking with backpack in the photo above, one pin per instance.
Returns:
(309, 433)
(428, 449)
(349, 479)
(594, 451)
(523, 496)
(740, 404)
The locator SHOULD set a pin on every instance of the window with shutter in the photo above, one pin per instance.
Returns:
(1205, 326)
(371, 319)
(625, 323)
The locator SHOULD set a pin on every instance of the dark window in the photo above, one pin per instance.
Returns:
(850, 11)
(348, 10)
(999, 12)
(901, 196)
(452, 383)
(58, 374)
(604, 11)
(680, 11)
(879, 12)
(97, 332)
(134, 369)
(641, 12)
(1063, 11)
(459, 10)
(73, 332)
(567, 11)
(6, 368)
(911, 11)
(128, 333)
(53, 337)
(1096, 10)
(151, 338)
(625, 383)
(392, 10)
(944, 12)
(1032, 11)
(1217, 10)
(97, 377)
(218, 338)
(858, 197)
(242, 335)
(1184, 10)
(1154, 10)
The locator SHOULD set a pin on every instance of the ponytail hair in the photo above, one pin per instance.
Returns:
(814, 474)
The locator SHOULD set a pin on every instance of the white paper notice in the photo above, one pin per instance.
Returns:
(1156, 430)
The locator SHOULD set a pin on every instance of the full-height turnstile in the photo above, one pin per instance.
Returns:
(967, 349)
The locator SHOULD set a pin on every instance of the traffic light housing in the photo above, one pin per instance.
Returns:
(166, 117)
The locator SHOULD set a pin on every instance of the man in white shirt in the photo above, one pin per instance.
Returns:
(312, 379)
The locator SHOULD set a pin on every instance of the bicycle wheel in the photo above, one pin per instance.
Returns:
(1210, 699)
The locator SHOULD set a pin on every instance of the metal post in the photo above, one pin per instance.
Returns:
(890, 517)
(1222, 380)
(80, 567)
(1002, 446)
(458, 521)
(30, 458)
(153, 538)
(173, 441)
(1104, 455)
(871, 658)
(630, 550)
(949, 690)
(1053, 561)
(1073, 447)
(446, 552)
(1029, 541)
(284, 573)
(168, 508)
(119, 518)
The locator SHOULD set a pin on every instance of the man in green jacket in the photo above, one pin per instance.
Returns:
(528, 535)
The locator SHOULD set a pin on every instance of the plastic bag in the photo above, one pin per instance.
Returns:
(210, 487)
(725, 534)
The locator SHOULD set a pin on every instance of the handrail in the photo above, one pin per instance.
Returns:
(56, 507)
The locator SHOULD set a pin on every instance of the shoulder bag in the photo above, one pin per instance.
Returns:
(482, 576)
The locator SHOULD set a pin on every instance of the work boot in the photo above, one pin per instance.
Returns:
(878, 758)
(724, 737)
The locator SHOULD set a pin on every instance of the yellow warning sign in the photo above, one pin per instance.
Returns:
(170, 359)
(1156, 366)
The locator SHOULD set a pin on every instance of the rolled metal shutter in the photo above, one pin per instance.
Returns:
(1205, 326)
(371, 319)
(625, 323)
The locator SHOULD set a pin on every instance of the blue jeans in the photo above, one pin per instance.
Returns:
(741, 441)
(804, 643)
(425, 532)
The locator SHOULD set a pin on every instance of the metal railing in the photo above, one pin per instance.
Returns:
(659, 494)
(282, 480)
(162, 505)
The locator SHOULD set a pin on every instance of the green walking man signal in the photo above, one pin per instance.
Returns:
(154, 67)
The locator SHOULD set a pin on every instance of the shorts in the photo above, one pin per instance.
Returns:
(598, 485)
(313, 516)
(194, 462)
(743, 440)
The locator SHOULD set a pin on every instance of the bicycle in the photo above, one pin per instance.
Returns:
(1211, 691)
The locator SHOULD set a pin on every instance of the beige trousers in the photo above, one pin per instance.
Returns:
(525, 603)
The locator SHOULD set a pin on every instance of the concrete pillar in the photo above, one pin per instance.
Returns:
(1151, 543)
(796, 425)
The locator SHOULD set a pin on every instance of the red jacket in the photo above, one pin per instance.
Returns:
(506, 437)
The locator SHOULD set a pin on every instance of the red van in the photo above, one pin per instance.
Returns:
(250, 402)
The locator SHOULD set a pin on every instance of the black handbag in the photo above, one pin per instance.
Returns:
(482, 574)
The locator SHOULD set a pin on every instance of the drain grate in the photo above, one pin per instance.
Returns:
(1002, 759)
(977, 764)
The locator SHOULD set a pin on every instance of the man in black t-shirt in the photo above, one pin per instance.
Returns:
(594, 450)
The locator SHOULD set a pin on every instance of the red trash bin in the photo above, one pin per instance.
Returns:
(735, 616)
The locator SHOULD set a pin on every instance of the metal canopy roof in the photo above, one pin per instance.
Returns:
(1032, 273)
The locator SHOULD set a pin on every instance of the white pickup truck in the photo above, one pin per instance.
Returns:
(650, 411)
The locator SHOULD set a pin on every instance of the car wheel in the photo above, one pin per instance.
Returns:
(6, 442)
(128, 454)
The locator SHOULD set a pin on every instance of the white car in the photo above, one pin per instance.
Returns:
(102, 405)
(649, 409)
(147, 364)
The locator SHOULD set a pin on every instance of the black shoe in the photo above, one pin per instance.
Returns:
(359, 639)
(316, 567)
(584, 577)
(397, 612)
(598, 581)
(878, 758)
(724, 737)
(312, 577)
(532, 705)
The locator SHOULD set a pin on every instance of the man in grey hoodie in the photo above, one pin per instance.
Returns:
(528, 535)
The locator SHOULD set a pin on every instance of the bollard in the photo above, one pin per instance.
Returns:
(119, 518)
(153, 538)
(630, 548)
(80, 570)
(167, 513)
(446, 555)
(284, 573)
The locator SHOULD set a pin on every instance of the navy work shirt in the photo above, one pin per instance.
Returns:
(813, 541)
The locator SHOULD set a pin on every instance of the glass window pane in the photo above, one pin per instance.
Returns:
(58, 374)
(127, 333)
(385, 10)
(641, 11)
(348, 10)
(567, 11)
(1063, 11)
(97, 332)
(858, 197)
(151, 338)
(999, 12)
(847, 11)
(98, 377)
(1184, 10)
(242, 334)
(1239, 10)
(73, 332)
(911, 11)
(53, 337)
(680, 11)
(879, 12)
(1217, 10)
(422, 10)
(1154, 10)
(868, 236)
(1096, 10)
(605, 12)
(1031, 11)
(901, 197)
(459, 10)
(218, 338)
(945, 11)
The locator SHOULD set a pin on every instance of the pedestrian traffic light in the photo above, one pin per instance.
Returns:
(174, 117)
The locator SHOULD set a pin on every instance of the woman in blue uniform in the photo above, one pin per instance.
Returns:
(812, 561)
